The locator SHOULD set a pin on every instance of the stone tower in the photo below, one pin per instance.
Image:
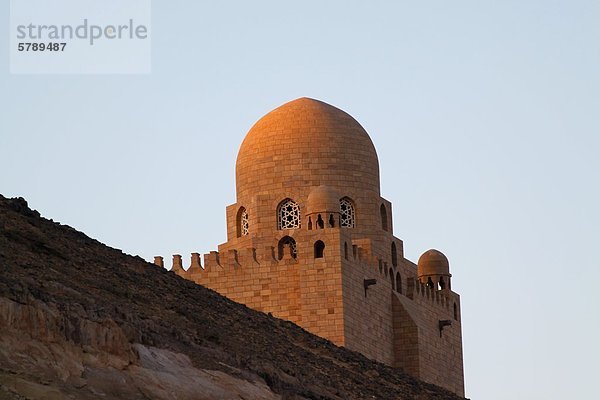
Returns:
(310, 240)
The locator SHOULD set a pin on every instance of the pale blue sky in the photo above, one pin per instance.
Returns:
(485, 116)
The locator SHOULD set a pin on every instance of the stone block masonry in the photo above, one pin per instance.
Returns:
(310, 240)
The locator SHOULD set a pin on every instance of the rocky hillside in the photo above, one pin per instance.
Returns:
(80, 320)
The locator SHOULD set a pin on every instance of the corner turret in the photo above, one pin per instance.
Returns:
(433, 270)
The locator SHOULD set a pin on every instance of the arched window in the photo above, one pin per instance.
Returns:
(346, 250)
(384, 218)
(455, 312)
(394, 255)
(429, 283)
(288, 215)
(442, 284)
(309, 224)
(319, 249)
(392, 279)
(398, 282)
(347, 208)
(331, 221)
(287, 244)
(242, 222)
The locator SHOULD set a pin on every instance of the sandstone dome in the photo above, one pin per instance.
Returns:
(306, 143)
(323, 199)
(433, 262)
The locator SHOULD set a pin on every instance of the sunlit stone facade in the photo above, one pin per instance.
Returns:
(310, 240)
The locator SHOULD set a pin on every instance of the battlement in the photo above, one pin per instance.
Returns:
(340, 245)
(311, 240)
(229, 260)
(444, 300)
(361, 256)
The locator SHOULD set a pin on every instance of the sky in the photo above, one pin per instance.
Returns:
(485, 116)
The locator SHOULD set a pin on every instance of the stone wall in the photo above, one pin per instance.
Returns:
(327, 297)
(368, 326)
(422, 348)
(308, 293)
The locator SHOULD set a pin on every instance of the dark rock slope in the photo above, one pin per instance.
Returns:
(80, 320)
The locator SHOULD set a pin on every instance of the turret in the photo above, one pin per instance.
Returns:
(433, 270)
(323, 208)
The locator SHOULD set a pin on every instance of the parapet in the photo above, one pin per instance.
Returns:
(231, 259)
(423, 294)
(195, 265)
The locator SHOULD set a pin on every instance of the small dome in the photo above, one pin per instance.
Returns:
(323, 199)
(433, 262)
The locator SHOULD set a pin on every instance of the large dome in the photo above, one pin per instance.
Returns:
(306, 143)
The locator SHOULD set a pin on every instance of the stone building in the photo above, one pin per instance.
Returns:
(310, 240)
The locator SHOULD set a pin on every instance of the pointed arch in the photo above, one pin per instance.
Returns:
(242, 226)
(347, 212)
(384, 217)
(394, 255)
(287, 244)
(398, 282)
(288, 215)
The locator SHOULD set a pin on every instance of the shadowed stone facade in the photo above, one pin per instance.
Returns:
(310, 240)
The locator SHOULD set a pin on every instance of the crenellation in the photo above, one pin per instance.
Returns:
(310, 240)
(195, 265)
(212, 262)
(247, 258)
(267, 256)
(230, 261)
(177, 266)
(422, 294)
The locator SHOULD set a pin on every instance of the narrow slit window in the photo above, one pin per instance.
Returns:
(242, 222)
(384, 218)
